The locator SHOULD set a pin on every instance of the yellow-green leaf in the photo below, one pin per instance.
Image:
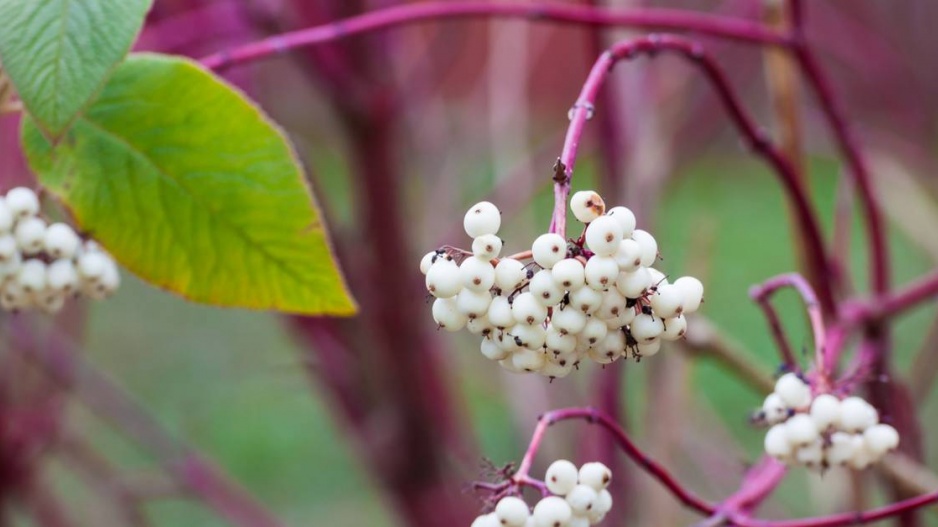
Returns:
(194, 189)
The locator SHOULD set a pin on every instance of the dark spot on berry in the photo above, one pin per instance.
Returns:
(477, 281)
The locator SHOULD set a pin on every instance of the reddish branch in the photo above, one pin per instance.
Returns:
(762, 294)
(661, 19)
(883, 307)
(752, 134)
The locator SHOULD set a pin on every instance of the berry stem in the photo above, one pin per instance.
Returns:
(762, 293)
(756, 139)
(647, 18)
(592, 415)
(847, 518)
(892, 304)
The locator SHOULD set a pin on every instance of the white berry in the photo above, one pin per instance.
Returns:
(446, 314)
(626, 219)
(482, 218)
(443, 279)
(628, 255)
(601, 272)
(692, 290)
(528, 310)
(649, 246)
(61, 241)
(30, 234)
(561, 477)
(596, 475)
(646, 328)
(6, 217)
(774, 409)
(486, 520)
(487, 246)
(512, 511)
(667, 301)
(509, 274)
(800, 429)
(491, 350)
(499, 313)
(856, 415)
(473, 303)
(568, 274)
(603, 236)
(777, 443)
(793, 391)
(544, 289)
(674, 328)
(568, 320)
(586, 299)
(22, 202)
(634, 284)
(548, 249)
(581, 499)
(62, 276)
(825, 411)
(477, 274)
(32, 276)
(880, 438)
(428, 260)
(587, 205)
(552, 511)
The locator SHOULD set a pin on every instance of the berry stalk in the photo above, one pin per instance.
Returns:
(649, 18)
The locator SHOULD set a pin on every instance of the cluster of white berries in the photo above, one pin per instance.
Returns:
(823, 430)
(597, 297)
(42, 264)
(579, 499)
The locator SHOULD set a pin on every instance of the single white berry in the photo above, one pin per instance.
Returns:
(508, 363)
(12, 296)
(487, 246)
(634, 284)
(646, 328)
(11, 267)
(446, 314)
(626, 219)
(6, 217)
(477, 274)
(601, 506)
(8, 248)
(509, 275)
(506, 342)
(657, 277)
(648, 348)
(62, 276)
(774, 409)
(603, 236)
(674, 328)
(586, 299)
(581, 499)
(443, 279)
(528, 310)
(548, 249)
(486, 520)
(531, 337)
(794, 392)
(861, 457)
(479, 325)
(32, 276)
(560, 341)
(428, 260)
(499, 313)
(552, 511)
(800, 429)
(880, 438)
(628, 255)
(596, 475)
(568, 274)
(777, 444)
(825, 411)
(587, 205)
(856, 415)
(613, 305)
(473, 303)
(841, 448)
(50, 302)
(594, 331)
(556, 369)
(811, 454)
(692, 290)
(649, 246)
(107, 284)
(528, 360)
(61, 241)
(601, 272)
(491, 350)
(579, 521)
(667, 301)
(512, 511)
(544, 289)
(609, 350)
(482, 218)
(568, 320)
(22, 202)
(30, 234)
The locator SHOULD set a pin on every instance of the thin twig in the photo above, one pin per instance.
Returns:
(704, 339)
(659, 19)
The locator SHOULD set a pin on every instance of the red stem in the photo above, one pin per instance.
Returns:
(895, 303)
(662, 19)
(762, 293)
(847, 518)
(592, 415)
(755, 137)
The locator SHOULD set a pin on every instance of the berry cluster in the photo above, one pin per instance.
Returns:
(823, 430)
(579, 499)
(597, 296)
(42, 264)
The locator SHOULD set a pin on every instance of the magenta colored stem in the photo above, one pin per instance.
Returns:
(667, 19)
(849, 147)
(892, 304)
(847, 518)
(758, 484)
(592, 415)
(755, 137)
(762, 293)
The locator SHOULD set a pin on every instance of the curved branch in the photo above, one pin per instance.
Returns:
(847, 518)
(661, 19)
(592, 415)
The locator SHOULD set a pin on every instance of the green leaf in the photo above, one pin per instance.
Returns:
(59, 52)
(192, 188)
